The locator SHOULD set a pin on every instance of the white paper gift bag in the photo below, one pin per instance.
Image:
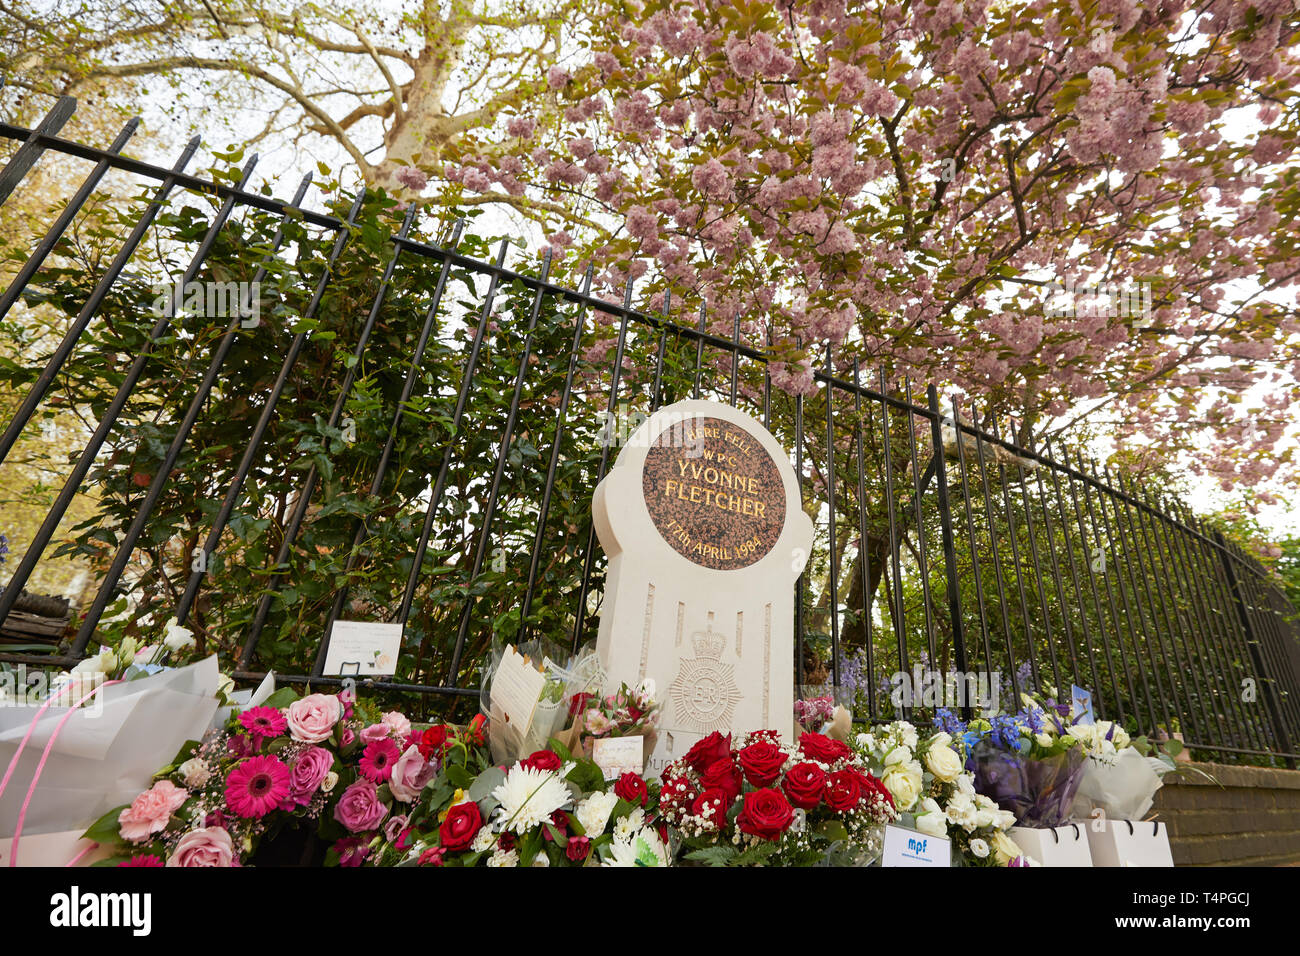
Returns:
(1130, 843)
(1060, 846)
(105, 753)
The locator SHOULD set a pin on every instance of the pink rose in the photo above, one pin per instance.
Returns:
(375, 732)
(360, 807)
(397, 723)
(308, 772)
(312, 718)
(410, 774)
(206, 846)
(148, 813)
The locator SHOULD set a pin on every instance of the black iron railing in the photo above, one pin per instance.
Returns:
(941, 543)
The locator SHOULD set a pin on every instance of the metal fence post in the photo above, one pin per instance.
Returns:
(1252, 641)
(949, 548)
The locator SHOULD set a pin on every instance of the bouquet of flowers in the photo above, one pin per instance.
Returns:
(755, 801)
(324, 760)
(1029, 763)
(548, 809)
(934, 792)
(624, 713)
(1122, 773)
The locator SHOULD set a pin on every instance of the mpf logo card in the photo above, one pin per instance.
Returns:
(905, 847)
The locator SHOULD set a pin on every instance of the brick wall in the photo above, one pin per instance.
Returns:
(1251, 817)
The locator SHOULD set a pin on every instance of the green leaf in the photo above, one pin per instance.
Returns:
(106, 828)
(713, 855)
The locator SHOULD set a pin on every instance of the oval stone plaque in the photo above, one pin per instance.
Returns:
(714, 493)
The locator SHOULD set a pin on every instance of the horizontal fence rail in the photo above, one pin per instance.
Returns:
(392, 424)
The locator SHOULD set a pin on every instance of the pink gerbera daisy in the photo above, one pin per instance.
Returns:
(144, 859)
(257, 786)
(263, 722)
(378, 759)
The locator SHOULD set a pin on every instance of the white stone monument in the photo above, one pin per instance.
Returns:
(701, 521)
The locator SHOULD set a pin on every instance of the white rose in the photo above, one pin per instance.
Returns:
(175, 637)
(903, 781)
(1004, 819)
(194, 772)
(1005, 849)
(1121, 738)
(328, 784)
(930, 819)
(979, 848)
(898, 755)
(1044, 740)
(943, 762)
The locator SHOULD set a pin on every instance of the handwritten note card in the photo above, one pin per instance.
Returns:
(363, 649)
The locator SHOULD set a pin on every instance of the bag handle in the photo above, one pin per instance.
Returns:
(40, 766)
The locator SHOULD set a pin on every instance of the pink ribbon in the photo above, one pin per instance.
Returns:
(40, 766)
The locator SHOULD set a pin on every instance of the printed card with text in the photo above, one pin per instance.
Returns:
(363, 649)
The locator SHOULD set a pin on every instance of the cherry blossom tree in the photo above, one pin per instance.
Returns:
(1073, 212)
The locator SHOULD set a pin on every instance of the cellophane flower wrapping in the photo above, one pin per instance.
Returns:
(1040, 791)
(1122, 785)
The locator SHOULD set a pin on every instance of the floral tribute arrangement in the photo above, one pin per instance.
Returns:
(548, 809)
(935, 793)
(754, 801)
(625, 713)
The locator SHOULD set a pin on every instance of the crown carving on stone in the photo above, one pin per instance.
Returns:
(709, 644)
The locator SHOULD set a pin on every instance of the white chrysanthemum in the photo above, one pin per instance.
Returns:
(593, 813)
(483, 840)
(642, 848)
(528, 797)
(626, 826)
(504, 858)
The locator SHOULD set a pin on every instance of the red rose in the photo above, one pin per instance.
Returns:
(765, 814)
(719, 800)
(632, 788)
(578, 703)
(871, 785)
(543, 760)
(723, 775)
(762, 762)
(843, 790)
(459, 827)
(434, 741)
(578, 848)
(803, 785)
(476, 729)
(707, 751)
(824, 749)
